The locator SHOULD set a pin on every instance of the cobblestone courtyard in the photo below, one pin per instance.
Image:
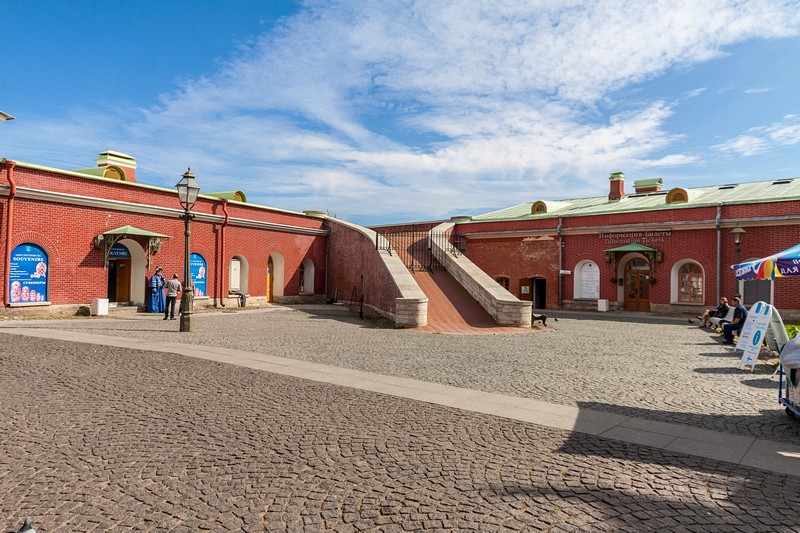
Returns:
(98, 439)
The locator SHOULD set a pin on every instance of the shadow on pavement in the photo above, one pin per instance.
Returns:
(769, 424)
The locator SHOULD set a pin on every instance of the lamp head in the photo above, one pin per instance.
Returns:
(738, 235)
(188, 189)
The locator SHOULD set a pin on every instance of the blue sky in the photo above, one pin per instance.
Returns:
(384, 111)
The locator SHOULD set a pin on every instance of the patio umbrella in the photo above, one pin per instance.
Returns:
(785, 263)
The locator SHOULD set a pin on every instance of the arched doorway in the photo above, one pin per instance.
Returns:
(270, 278)
(637, 285)
(275, 284)
(306, 272)
(119, 274)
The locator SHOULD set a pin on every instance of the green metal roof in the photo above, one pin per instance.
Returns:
(130, 230)
(754, 192)
(633, 247)
(229, 195)
(94, 171)
(652, 182)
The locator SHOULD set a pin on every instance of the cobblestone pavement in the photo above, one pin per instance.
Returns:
(100, 439)
(658, 370)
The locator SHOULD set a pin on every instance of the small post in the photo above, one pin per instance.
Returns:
(361, 304)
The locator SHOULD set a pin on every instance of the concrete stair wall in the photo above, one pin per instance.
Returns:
(503, 306)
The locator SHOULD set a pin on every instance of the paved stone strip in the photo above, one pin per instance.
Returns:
(661, 371)
(100, 438)
(780, 457)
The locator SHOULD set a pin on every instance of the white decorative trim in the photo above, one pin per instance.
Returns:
(30, 304)
(117, 205)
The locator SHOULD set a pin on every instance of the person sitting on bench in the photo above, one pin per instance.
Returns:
(719, 312)
(739, 317)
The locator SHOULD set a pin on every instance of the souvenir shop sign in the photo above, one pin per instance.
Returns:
(28, 275)
(119, 251)
(640, 237)
(198, 271)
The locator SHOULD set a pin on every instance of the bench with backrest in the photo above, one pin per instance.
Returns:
(717, 322)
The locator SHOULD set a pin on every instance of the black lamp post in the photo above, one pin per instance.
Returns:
(188, 189)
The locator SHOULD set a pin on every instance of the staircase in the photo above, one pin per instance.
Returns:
(451, 309)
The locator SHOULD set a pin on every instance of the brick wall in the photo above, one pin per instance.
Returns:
(76, 270)
(693, 236)
(388, 287)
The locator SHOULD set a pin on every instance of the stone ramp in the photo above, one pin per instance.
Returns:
(451, 309)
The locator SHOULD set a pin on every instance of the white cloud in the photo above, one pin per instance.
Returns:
(420, 107)
(764, 138)
(744, 145)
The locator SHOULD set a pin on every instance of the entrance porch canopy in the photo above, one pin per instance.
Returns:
(651, 253)
(633, 247)
(107, 240)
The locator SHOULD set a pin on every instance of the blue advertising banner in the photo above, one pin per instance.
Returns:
(28, 274)
(119, 251)
(197, 269)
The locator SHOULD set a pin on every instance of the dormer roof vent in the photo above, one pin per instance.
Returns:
(647, 186)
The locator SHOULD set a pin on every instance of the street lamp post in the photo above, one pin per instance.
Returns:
(738, 236)
(188, 189)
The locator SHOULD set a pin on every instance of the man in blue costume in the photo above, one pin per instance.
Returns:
(155, 296)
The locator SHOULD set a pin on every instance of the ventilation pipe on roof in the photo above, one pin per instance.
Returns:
(560, 259)
(719, 251)
(617, 192)
(9, 165)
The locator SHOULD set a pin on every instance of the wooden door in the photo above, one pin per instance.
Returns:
(123, 280)
(525, 289)
(637, 285)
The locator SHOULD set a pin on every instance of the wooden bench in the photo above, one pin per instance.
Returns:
(716, 322)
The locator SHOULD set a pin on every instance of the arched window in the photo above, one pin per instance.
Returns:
(690, 284)
(503, 281)
(587, 280)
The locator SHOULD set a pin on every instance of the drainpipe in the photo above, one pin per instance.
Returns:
(222, 251)
(719, 252)
(9, 226)
(560, 259)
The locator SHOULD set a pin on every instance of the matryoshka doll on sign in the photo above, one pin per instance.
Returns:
(16, 291)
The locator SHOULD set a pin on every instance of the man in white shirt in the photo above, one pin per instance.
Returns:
(173, 288)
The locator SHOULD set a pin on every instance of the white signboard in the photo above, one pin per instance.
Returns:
(590, 281)
(752, 335)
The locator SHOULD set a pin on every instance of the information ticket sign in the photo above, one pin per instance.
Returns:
(753, 333)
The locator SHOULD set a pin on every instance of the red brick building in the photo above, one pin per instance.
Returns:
(72, 236)
(666, 251)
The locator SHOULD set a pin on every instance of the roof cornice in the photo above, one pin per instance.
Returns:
(130, 207)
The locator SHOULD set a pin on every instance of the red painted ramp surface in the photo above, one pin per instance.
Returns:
(452, 310)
